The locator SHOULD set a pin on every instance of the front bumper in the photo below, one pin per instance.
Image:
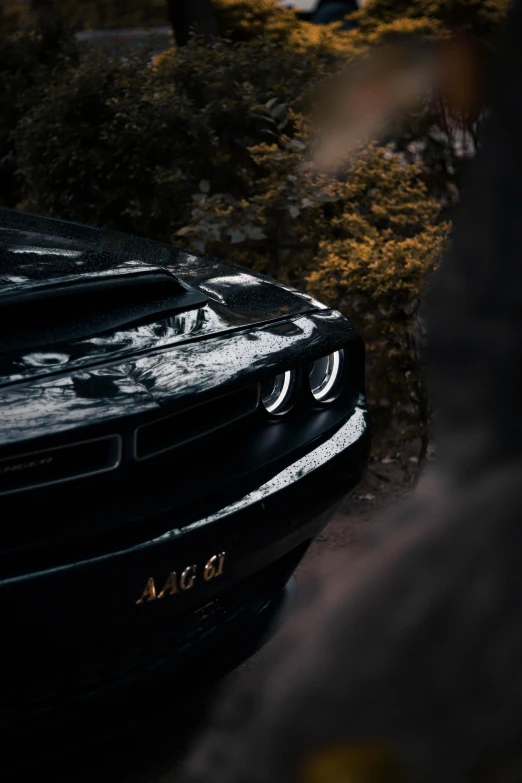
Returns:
(92, 636)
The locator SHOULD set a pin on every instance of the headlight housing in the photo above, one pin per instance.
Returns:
(278, 393)
(324, 377)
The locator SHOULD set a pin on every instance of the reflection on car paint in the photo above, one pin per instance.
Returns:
(45, 251)
(83, 253)
(32, 411)
(163, 378)
(45, 358)
(162, 333)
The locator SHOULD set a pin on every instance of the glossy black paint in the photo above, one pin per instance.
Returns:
(164, 379)
(36, 251)
(76, 555)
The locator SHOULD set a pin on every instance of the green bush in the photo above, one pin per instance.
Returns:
(124, 142)
(27, 62)
(100, 14)
(380, 244)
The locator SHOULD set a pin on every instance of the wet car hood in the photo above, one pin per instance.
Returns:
(38, 253)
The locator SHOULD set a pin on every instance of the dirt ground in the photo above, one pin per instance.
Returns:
(385, 483)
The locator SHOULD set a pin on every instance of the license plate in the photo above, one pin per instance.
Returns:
(180, 581)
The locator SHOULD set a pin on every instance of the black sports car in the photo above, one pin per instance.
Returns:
(173, 433)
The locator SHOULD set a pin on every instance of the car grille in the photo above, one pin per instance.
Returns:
(170, 431)
(41, 467)
(62, 463)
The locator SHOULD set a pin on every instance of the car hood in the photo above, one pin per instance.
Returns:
(42, 256)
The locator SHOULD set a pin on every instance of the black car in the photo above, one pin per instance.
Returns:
(174, 431)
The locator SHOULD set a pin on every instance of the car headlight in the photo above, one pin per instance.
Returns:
(278, 393)
(325, 376)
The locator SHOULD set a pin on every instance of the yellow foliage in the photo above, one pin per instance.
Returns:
(244, 20)
(363, 243)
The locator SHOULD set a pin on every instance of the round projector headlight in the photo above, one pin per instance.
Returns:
(277, 393)
(325, 375)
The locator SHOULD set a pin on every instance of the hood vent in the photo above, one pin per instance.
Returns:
(59, 312)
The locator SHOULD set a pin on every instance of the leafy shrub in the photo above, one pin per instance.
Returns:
(16, 15)
(442, 139)
(383, 241)
(27, 61)
(91, 14)
(124, 142)
(363, 243)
